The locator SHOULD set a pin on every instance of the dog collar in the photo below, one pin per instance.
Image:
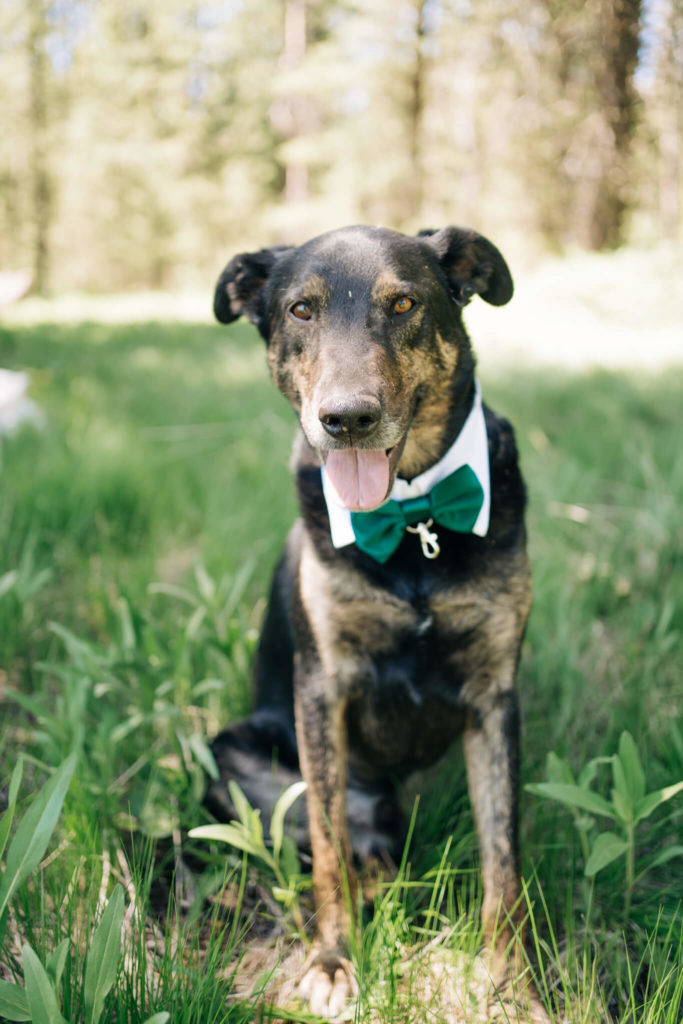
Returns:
(455, 493)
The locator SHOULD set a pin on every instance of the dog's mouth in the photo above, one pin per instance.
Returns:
(362, 478)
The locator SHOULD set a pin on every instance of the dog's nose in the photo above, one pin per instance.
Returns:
(356, 419)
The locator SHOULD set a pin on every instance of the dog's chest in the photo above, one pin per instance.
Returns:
(401, 653)
(404, 672)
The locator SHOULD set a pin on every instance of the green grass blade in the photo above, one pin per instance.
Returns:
(42, 998)
(158, 1018)
(13, 1002)
(29, 844)
(103, 958)
(665, 855)
(8, 816)
(56, 961)
(7, 581)
(202, 751)
(15, 781)
(205, 584)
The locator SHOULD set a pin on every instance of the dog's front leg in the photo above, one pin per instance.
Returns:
(328, 981)
(492, 758)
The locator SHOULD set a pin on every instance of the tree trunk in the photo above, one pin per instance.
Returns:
(41, 183)
(416, 112)
(668, 116)
(296, 173)
(620, 33)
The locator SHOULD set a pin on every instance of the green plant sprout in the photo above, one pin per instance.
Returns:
(628, 805)
(282, 859)
(38, 1000)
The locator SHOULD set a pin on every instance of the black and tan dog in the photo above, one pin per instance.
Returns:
(398, 609)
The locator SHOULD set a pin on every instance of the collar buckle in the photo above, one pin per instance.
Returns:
(428, 540)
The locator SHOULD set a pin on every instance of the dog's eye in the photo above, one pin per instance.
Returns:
(404, 304)
(301, 310)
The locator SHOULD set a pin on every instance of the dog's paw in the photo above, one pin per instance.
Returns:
(328, 982)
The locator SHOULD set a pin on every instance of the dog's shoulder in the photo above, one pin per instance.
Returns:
(507, 483)
(508, 491)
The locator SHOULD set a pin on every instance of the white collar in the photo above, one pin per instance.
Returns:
(469, 448)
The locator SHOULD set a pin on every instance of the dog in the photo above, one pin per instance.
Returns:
(399, 606)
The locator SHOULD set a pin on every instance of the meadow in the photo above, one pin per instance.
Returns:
(138, 529)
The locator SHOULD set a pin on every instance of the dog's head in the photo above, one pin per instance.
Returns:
(365, 338)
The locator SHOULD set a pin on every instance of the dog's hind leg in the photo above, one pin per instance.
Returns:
(259, 754)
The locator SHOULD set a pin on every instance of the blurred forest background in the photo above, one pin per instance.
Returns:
(143, 142)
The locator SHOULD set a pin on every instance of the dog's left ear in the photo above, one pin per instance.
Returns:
(239, 289)
(472, 264)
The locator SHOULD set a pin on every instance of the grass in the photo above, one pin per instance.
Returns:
(137, 534)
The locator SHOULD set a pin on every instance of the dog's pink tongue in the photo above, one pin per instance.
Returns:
(360, 478)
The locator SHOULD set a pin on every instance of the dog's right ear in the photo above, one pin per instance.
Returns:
(239, 289)
(472, 264)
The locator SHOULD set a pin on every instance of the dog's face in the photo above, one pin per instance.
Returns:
(365, 339)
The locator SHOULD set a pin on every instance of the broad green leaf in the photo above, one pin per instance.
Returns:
(56, 960)
(574, 796)
(13, 1002)
(158, 1018)
(277, 822)
(240, 802)
(227, 834)
(608, 846)
(42, 999)
(284, 896)
(623, 810)
(588, 773)
(249, 816)
(621, 794)
(632, 767)
(103, 957)
(29, 844)
(289, 858)
(558, 770)
(647, 805)
(202, 751)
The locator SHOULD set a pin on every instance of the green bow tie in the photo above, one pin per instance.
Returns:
(454, 503)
